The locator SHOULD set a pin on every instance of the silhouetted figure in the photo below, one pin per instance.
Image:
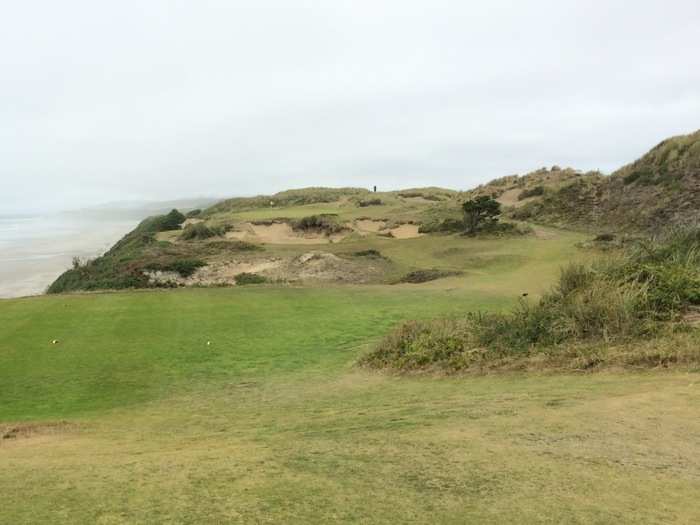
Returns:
(375, 189)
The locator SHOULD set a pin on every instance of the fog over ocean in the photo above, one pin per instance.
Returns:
(36, 249)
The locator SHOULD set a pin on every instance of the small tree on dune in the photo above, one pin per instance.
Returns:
(480, 212)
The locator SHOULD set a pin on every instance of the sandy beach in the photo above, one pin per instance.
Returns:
(35, 250)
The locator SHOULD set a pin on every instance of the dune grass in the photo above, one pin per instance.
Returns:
(133, 418)
(638, 295)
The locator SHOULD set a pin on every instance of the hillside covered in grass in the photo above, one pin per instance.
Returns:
(313, 235)
(307, 236)
(659, 190)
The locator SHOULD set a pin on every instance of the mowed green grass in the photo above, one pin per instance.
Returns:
(273, 423)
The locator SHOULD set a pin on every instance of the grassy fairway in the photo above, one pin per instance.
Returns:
(273, 423)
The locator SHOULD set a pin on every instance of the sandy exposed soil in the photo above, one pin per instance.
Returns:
(315, 266)
(280, 233)
(216, 272)
(192, 220)
(367, 226)
(405, 231)
(510, 198)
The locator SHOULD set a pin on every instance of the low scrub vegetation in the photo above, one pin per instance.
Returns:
(370, 253)
(183, 267)
(424, 276)
(615, 303)
(532, 192)
(369, 202)
(201, 231)
(448, 225)
(117, 269)
(170, 221)
(250, 278)
(327, 224)
(220, 246)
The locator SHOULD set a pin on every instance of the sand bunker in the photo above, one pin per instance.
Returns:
(366, 226)
(313, 266)
(191, 221)
(405, 231)
(215, 273)
(280, 233)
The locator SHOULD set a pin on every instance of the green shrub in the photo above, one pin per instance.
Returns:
(171, 221)
(479, 213)
(193, 213)
(200, 232)
(250, 278)
(184, 267)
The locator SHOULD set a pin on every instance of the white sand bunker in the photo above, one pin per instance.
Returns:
(280, 233)
(405, 231)
(216, 273)
(191, 220)
(366, 226)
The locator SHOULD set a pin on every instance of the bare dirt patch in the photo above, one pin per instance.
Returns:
(510, 198)
(543, 233)
(12, 431)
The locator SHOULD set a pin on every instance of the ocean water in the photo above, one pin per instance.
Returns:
(35, 249)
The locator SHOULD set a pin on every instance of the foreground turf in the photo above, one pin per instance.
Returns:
(133, 418)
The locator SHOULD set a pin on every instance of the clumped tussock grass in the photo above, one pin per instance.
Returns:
(201, 231)
(298, 197)
(369, 202)
(594, 312)
(327, 224)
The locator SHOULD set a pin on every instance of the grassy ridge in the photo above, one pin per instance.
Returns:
(658, 190)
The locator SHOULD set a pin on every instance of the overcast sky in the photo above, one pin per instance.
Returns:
(116, 100)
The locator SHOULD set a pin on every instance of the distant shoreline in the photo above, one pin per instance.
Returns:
(35, 249)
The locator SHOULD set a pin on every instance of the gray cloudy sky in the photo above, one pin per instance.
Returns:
(113, 100)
